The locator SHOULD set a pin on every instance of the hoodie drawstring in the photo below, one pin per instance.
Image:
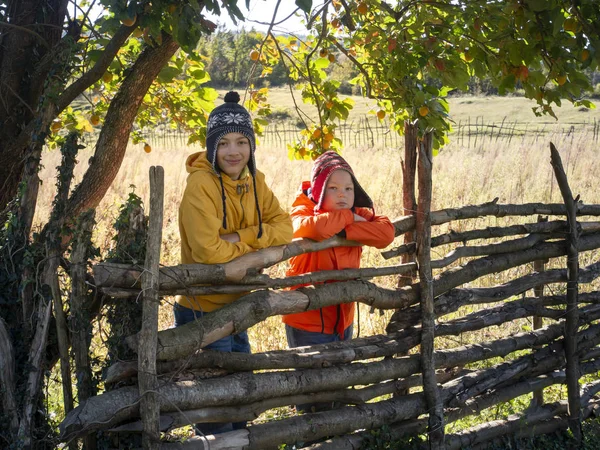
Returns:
(223, 198)
(260, 229)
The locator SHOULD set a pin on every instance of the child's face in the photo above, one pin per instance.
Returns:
(233, 153)
(339, 192)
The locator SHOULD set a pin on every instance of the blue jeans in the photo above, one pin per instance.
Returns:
(301, 338)
(237, 343)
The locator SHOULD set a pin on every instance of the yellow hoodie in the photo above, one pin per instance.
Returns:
(201, 222)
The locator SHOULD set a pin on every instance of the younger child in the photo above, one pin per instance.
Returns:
(227, 210)
(332, 203)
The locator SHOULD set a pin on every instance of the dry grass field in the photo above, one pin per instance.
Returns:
(515, 171)
(518, 171)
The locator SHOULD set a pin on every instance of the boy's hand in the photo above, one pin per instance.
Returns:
(358, 218)
(231, 237)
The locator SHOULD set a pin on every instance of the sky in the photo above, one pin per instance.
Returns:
(260, 13)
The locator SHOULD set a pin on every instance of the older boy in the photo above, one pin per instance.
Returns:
(227, 210)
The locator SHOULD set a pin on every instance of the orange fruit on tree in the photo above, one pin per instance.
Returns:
(335, 23)
(147, 148)
(328, 105)
(137, 32)
(56, 126)
(561, 79)
(328, 136)
(362, 8)
(381, 114)
(468, 56)
(129, 21)
(95, 119)
(316, 134)
(571, 25)
(322, 53)
(585, 54)
(254, 55)
(331, 57)
(423, 111)
(107, 77)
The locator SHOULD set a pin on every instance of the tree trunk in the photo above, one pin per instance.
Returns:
(114, 137)
(36, 27)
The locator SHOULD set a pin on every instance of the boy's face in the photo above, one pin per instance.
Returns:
(233, 153)
(339, 192)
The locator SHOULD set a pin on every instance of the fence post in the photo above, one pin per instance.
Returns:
(572, 322)
(538, 322)
(409, 201)
(423, 228)
(148, 383)
(80, 321)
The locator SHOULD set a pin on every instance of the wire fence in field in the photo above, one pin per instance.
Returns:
(369, 131)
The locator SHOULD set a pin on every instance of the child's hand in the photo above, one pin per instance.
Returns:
(231, 237)
(358, 218)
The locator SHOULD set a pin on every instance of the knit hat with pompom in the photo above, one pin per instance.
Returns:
(231, 117)
(322, 169)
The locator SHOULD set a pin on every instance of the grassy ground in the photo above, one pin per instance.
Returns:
(515, 171)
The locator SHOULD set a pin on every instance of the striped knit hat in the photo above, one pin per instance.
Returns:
(324, 166)
(231, 117)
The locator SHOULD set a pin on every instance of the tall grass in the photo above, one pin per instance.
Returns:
(518, 172)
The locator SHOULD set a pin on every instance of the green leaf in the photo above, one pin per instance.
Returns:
(538, 5)
(322, 63)
(304, 5)
(167, 74)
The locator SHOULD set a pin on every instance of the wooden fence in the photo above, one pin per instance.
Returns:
(372, 380)
(368, 131)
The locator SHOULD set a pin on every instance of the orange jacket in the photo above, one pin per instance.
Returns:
(377, 232)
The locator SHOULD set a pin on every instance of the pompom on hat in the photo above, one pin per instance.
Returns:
(230, 117)
(322, 169)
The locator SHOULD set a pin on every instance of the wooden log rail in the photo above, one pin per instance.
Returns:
(252, 389)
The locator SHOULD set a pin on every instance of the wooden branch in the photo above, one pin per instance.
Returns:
(251, 411)
(494, 209)
(36, 354)
(494, 232)
(236, 271)
(147, 380)
(176, 343)
(497, 263)
(7, 379)
(538, 321)
(492, 249)
(80, 315)
(472, 407)
(572, 291)
(265, 282)
(538, 421)
(455, 298)
(423, 232)
(316, 356)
